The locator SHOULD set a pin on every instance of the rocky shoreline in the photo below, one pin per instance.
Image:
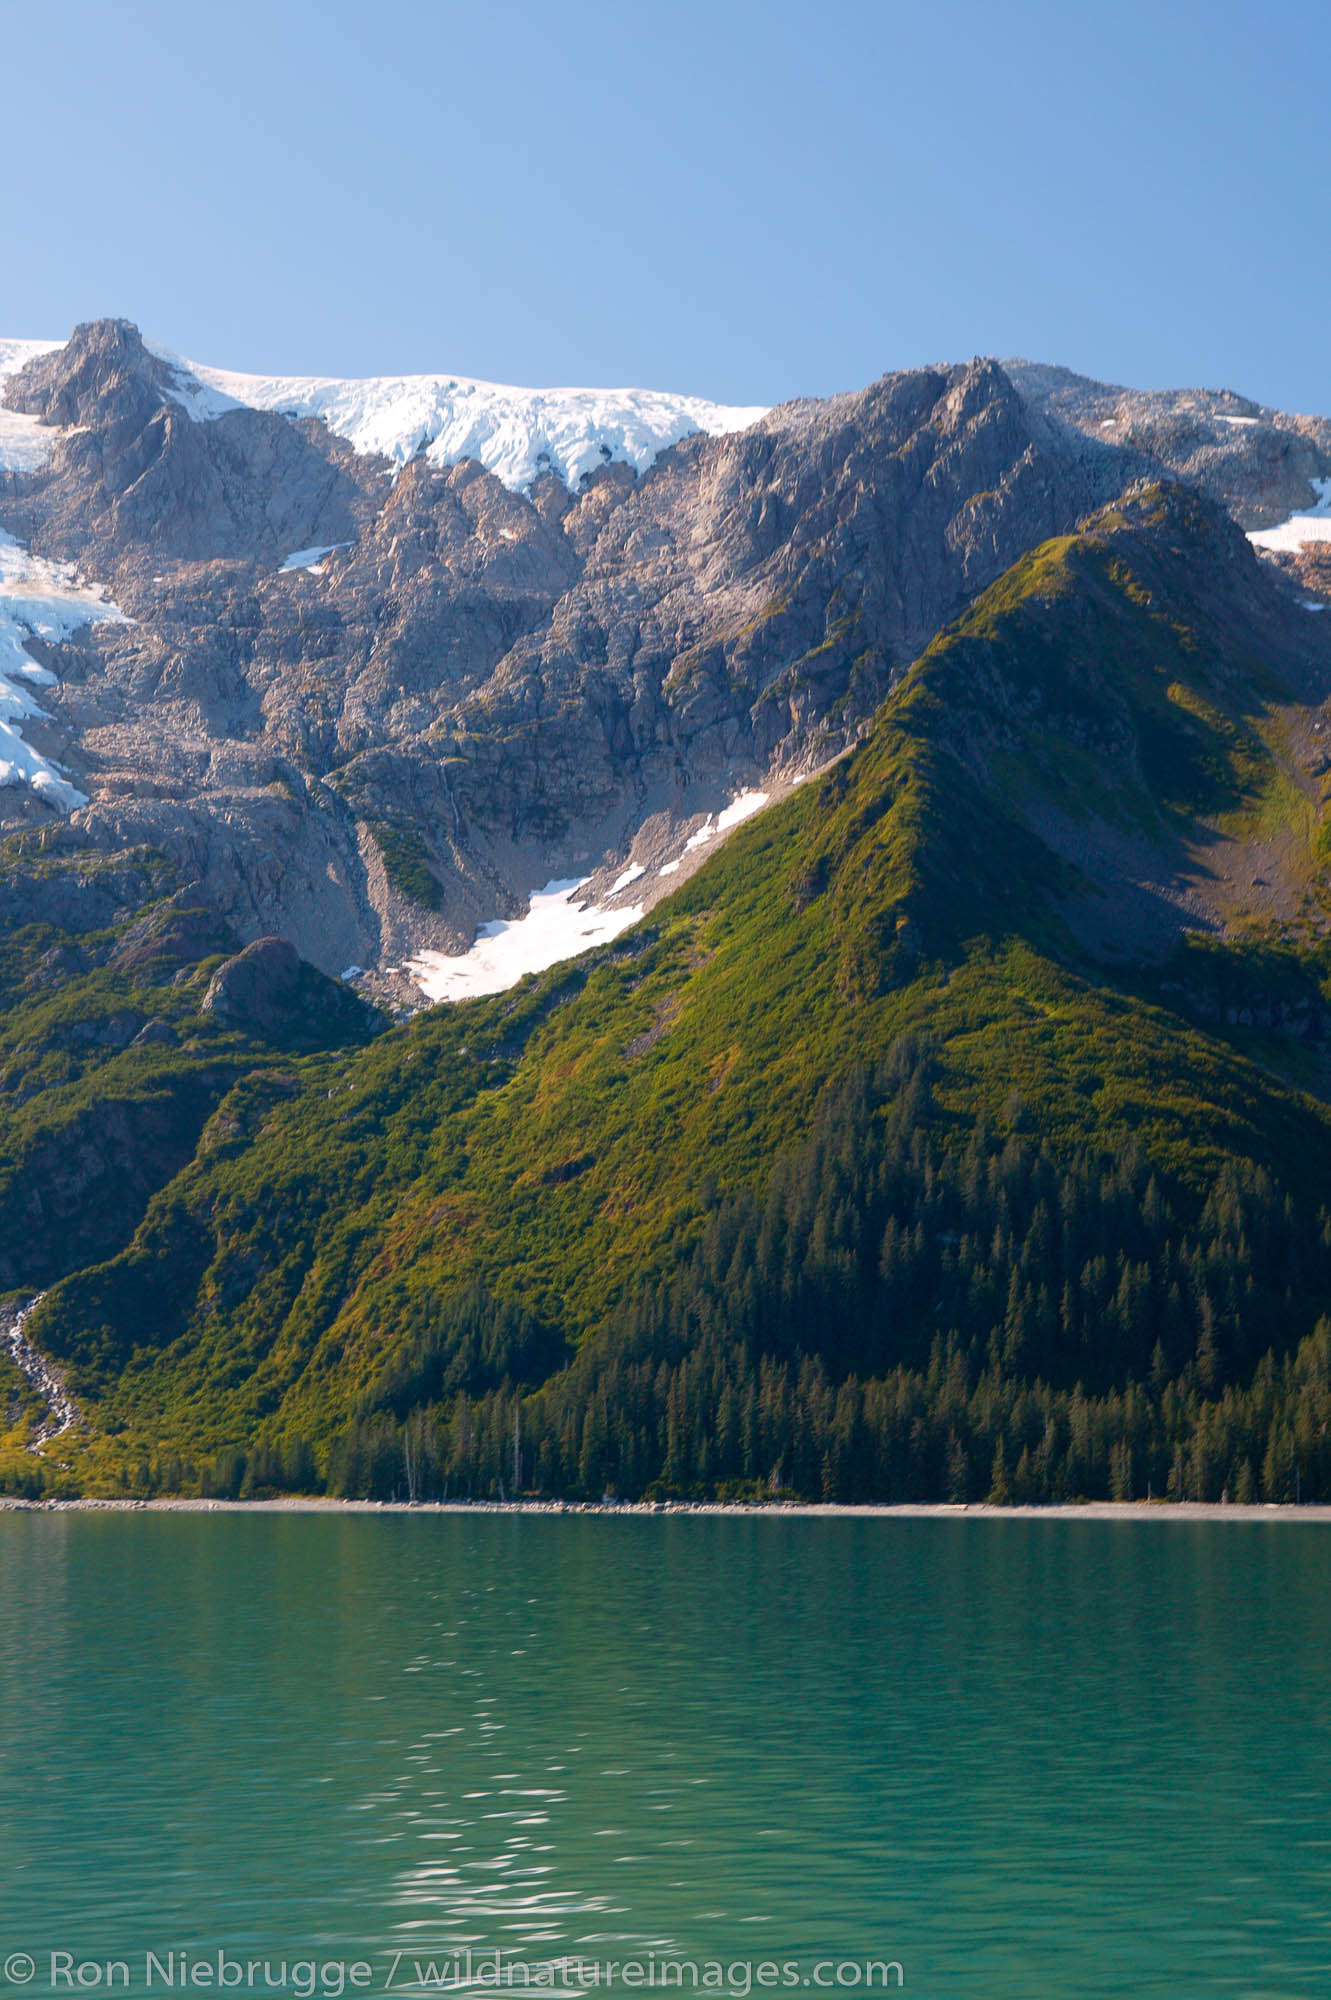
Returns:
(1077, 1510)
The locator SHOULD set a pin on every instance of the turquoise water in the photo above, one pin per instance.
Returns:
(1017, 1758)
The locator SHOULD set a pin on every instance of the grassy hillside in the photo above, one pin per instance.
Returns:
(110, 1067)
(852, 1170)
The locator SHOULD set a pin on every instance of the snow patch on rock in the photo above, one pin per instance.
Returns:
(743, 806)
(309, 558)
(1314, 526)
(557, 926)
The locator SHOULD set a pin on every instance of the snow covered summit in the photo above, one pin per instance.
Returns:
(515, 433)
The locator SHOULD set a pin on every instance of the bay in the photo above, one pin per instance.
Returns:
(1014, 1757)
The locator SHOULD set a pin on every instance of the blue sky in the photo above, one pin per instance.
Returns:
(748, 201)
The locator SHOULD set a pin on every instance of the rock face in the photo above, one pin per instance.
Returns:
(464, 690)
(1259, 464)
(256, 989)
(139, 472)
(268, 990)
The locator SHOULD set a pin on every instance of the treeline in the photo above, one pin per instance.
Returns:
(904, 1321)
(900, 1317)
(715, 1426)
(706, 1428)
(901, 1320)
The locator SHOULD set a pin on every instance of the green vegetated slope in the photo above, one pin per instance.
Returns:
(110, 1068)
(849, 1173)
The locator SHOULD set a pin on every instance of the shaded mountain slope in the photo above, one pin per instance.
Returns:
(1258, 463)
(116, 1045)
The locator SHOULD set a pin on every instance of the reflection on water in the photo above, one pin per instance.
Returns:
(1019, 1757)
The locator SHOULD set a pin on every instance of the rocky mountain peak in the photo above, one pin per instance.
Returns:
(368, 703)
(1260, 464)
(982, 382)
(104, 374)
(135, 475)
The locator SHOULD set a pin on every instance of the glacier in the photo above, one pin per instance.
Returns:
(46, 600)
(38, 598)
(515, 433)
(25, 443)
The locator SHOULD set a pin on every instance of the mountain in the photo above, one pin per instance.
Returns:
(372, 705)
(362, 665)
(1258, 463)
(954, 1126)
